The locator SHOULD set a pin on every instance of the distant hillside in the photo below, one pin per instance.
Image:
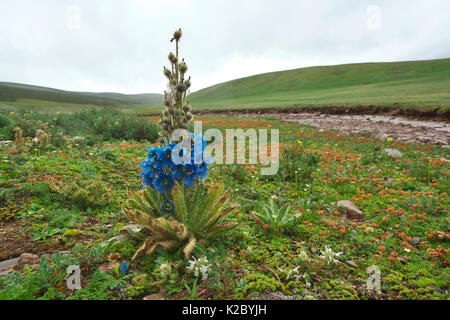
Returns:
(414, 84)
(411, 84)
(14, 92)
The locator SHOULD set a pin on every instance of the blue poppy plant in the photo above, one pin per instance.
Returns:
(159, 171)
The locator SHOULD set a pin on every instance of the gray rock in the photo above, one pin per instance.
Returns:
(351, 263)
(415, 241)
(28, 258)
(8, 264)
(130, 228)
(6, 272)
(116, 238)
(155, 296)
(393, 152)
(350, 209)
(108, 267)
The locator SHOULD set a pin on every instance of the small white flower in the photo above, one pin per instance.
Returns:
(329, 255)
(303, 256)
(200, 267)
(165, 269)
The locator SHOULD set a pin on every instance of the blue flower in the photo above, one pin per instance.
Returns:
(183, 170)
(202, 170)
(159, 171)
(190, 180)
(164, 183)
(168, 207)
(124, 267)
(152, 153)
(164, 157)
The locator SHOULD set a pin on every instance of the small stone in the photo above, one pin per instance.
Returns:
(351, 263)
(107, 267)
(402, 260)
(8, 264)
(131, 228)
(350, 209)
(28, 258)
(415, 241)
(116, 238)
(388, 180)
(393, 152)
(6, 272)
(155, 296)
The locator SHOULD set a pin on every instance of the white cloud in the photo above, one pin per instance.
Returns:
(122, 45)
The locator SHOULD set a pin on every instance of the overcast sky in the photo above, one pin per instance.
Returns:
(122, 45)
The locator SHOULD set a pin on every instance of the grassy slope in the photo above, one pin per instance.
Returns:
(413, 84)
(405, 84)
(48, 99)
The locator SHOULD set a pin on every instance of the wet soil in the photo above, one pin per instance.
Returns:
(399, 129)
(14, 242)
(437, 114)
(406, 125)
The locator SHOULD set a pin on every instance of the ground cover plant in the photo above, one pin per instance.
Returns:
(404, 228)
(96, 190)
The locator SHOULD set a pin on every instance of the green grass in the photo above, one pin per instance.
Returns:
(414, 84)
(68, 197)
(48, 99)
(96, 124)
(411, 84)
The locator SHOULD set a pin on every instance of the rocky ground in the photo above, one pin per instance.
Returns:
(397, 128)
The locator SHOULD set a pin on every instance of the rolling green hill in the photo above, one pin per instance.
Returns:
(412, 84)
(48, 99)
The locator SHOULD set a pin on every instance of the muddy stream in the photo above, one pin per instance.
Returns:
(397, 128)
